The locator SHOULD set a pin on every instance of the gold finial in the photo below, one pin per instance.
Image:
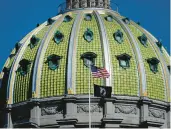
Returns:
(70, 91)
(34, 94)
(145, 93)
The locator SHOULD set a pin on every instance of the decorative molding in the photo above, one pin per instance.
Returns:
(52, 110)
(126, 109)
(71, 77)
(85, 108)
(106, 48)
(156, 113)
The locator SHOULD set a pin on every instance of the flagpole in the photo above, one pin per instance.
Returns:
(89, 98)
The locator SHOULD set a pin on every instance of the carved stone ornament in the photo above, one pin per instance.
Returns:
(85, 108)
(157, 113)
(126, 109)
(51, 110)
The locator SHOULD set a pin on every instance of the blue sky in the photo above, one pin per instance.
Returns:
(19, 17)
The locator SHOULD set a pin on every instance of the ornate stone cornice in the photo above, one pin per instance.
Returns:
(82, 108)
(126, 109)
(51, 110)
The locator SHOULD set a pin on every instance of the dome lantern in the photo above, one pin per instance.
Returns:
(75, 4)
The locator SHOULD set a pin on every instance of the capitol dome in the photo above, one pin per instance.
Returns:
(45, 80)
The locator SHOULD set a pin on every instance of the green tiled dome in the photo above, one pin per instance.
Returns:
(71, 76)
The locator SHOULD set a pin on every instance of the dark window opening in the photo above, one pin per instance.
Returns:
(50, 21)
(153, 64)
(67, 18)
(118, 36)
(88, 17)
(143, 40)
(34, 41)
(88, 58)
(53, 61)
(88, 35)
(109, 18)
(168, 67)
(159, 44)
(24, 67)
(126, 20)
(58, 37)
(17, 47)
(124, 60)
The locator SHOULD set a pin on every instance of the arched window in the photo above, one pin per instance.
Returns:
(58, 37)
(159, 44)
(53, 61)
(118, 36)
(126, 20)
(143, 40)
(67, 18)
(88, 17)
(17, 47)
(24, 67)
(153, 64)
(109, 18)
(124, 60)
(168, 67)
(88, 35)
(34, 41)
(50, 21)
(88, 58)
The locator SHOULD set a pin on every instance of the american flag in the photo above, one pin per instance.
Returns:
(99, 72)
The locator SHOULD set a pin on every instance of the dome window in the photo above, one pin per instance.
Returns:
(6, 70)
(126, 20)
(24, 67)
(88, 17)
(124, 60)
(159, 44)
(37, 25)
(88, 35)
(88, 58)
(143, 40)
(58, 37)
(168, 67)
(17, 47)
(53, 61)
(34, 41)
(67, 18)
(138, 23)
(50, 21)
(153, 64)
(118, 36)
(109, 18)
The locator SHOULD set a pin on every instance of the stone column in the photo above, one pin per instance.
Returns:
(144, 104)
(9, 123)
(70, 113)
(83, 3)
(100, 4)
(35, 113)
(168, 116)
(92, 3)
(68, 4)
(109, 119)
(107, 4)
(75, 4)
(70, 106)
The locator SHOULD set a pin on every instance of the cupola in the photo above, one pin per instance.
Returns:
(75, 4)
